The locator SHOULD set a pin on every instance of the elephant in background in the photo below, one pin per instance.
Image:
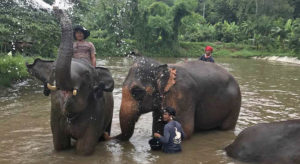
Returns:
(204, 95)
(277, 142)
(81, 95)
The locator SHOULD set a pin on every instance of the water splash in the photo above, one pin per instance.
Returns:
(40, 4)
(63, 4)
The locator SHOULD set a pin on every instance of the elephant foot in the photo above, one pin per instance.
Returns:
(61, 142)
(85, 147)
(120, 137)
(105, 137)
(228, 124)
(60, 147)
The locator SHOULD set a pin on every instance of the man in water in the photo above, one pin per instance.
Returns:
(81, 48)
(207, 57)
(173, 133)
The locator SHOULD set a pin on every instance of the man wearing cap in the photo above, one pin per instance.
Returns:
(81, 48)
(173, 132)
(207, 57)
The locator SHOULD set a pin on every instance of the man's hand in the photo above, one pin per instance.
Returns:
(157, 135)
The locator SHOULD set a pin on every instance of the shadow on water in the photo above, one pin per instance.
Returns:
(271, 92)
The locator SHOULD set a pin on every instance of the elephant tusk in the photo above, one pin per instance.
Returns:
(51, 87)
(74, 92)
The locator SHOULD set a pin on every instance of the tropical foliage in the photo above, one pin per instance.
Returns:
(156, 26)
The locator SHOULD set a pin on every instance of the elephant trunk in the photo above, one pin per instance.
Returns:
(65, 52)
(129, 114)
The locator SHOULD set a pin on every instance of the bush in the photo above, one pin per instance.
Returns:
(108, 47)
(12, 68)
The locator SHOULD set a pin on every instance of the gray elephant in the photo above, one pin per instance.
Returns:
(204, 95)
(277, 142)
(81, 95)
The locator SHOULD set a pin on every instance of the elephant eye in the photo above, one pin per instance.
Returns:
(138, 93)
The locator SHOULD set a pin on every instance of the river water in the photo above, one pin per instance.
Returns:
(270, 90)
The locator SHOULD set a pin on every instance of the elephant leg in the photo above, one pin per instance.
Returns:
(185, 111)
(61, 140)
(230, 121)
(188, 124)
(103, 137)
(108, 129)
(186, 117)
(233, 105)
(86, 145)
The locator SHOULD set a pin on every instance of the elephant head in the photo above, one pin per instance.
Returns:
(73, 82)
(143, 91)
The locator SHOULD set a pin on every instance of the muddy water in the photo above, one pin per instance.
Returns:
(271, 92)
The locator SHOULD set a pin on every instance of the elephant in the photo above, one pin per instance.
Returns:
(81, 95)
(277, 142)
(204, 95)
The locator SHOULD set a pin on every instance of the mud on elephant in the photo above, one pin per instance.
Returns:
(81, 95)
(204, 95)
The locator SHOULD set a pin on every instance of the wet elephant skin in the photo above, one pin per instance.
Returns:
(204, 95)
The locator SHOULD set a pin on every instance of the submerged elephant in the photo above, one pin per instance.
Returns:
(81, 98)
(204, 95)
(277, 142)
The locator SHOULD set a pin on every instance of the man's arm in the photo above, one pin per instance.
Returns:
(165, 139)
(93, 59)
(182, 133)
(93, 54)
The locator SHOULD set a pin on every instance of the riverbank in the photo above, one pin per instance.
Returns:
(195, 49)
(12, 68)
(284, 59)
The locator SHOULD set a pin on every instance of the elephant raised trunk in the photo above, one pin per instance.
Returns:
(128, 114)
(65, 52)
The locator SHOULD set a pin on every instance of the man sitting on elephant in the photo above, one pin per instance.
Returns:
(81, 94)
(81, 48)
(207, 57)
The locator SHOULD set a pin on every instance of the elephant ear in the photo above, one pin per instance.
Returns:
(42, 70)
(166, 78)
(105, 81)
